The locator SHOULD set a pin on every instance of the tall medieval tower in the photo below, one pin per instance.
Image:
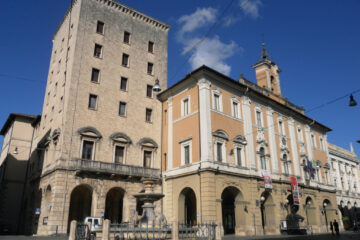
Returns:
(101, 125)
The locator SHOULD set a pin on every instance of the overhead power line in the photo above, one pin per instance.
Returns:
(2, 76)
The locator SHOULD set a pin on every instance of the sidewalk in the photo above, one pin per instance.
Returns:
(320, 236)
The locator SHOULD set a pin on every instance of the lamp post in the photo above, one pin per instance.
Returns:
(262, 200)
(325, 204)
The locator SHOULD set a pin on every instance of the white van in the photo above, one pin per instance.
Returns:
(95, 223)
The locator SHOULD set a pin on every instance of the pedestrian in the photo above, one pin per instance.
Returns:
(336, 226)
(332, 228)
(355, 226)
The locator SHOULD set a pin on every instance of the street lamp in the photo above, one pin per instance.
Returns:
(157, 87)
(352, 102)
(325, 204)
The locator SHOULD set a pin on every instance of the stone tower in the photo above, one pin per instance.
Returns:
(100, 128)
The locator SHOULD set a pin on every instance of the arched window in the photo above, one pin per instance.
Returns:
(262, 158)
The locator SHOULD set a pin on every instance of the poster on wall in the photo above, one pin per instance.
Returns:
(295, 190)
(267, 179)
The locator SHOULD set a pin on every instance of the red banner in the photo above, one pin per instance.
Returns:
(295, 190)
(267, 179)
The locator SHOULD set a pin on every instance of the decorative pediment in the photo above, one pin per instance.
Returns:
(221, 134)
(240, 139)
(120, 137)
(283, 145)
(327, 166)
(148, 142)
(89, 132)
(302, 150)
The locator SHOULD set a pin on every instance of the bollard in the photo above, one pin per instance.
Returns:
(106, 230)
(72, 234)
(175, 231)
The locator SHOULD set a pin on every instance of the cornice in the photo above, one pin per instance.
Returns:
(343, 155)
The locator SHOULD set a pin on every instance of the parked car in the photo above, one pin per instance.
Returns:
(95, 224)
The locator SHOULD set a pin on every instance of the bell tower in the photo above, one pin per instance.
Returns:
(267, 73)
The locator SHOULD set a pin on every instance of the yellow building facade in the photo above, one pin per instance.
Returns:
(221, 137)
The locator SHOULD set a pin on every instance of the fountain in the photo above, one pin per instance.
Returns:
(148, 197)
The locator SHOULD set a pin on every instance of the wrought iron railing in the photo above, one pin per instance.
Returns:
(113, 168)
(203, 231)
(128, 231)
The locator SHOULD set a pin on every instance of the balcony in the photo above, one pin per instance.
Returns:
(111, 169)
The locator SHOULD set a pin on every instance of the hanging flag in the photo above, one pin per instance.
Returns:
(295, 190)
(309, 165)
(314, 166)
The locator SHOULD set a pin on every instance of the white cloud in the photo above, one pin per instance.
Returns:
(196, 20)
(213, 53)
(251, 7)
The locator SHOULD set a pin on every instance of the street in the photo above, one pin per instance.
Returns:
(343, 236)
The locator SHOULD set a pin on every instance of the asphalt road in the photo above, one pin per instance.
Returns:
(343, 236)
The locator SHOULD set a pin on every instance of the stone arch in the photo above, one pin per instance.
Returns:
(187, 208)
(328, 211)
(231, 214)
(267, 208)
(89, 131)
(114, 205)
(310, 211)
(80, 203)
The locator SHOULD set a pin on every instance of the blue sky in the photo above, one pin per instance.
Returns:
(315, 43)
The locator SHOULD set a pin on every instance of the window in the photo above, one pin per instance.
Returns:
(185, 106)
(125, 60)
(151, 47)
(123, 83)
(262, 158)
(281, 130)
(100, 27)
(98, 51)
(321, 144)
(147, 158)
(327, 177)
(87, 150)
(122, 109)
(258, 118)
(238, 156)
(235, 110)
(92, 101)
(187, 154)
(285, 163)
(95, 75)
(217, 102)
(148, 115)
(150, 68)
(149, 91)
(119, 154)
(219, 151)
(300, 136)
(313, 140)
(127, 37)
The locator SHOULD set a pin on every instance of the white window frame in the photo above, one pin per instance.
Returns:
(223, 149)
(149, 149)
(267, 163)
(183, 114)
(116, 144)
(242, 156)
(281, 126)
(217, 92)
(236, 101)
(300, 134)
(89, 139)
(258, 110)
(313, 140)
(184, 144)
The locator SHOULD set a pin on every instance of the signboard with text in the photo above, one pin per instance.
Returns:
(295, 190)
(267, 179)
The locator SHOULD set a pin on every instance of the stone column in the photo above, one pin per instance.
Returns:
(72, 234)
(170, 134)
(294, 147)
(250, 156)
(274, 157)
(205, 120)
(106, 230)
(175, 231)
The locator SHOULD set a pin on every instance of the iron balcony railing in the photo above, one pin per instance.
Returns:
(113, 168)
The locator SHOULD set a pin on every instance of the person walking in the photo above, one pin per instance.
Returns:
(336, 226)
(332, 228)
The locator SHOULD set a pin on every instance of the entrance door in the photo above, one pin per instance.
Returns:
(228, 211)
